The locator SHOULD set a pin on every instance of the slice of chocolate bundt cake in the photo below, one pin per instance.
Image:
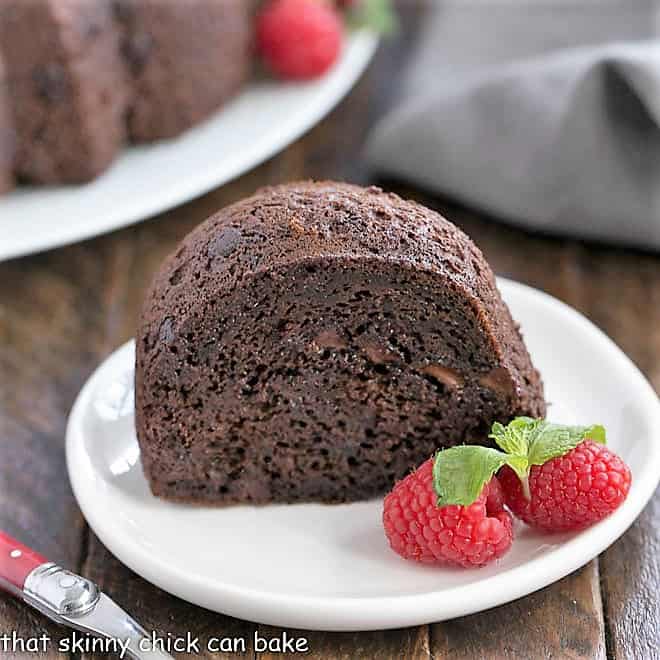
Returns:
(7, 136)
(185, 59)
(316, 342)
(67, 87)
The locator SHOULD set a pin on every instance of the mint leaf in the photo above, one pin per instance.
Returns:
(539, 440)
(552, 440)
(597, 433)
(460, 473)
(514, 437)
(376, 15)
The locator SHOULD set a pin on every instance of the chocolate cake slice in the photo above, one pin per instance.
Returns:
(7, 137)
(185, 59)
(66, 85)
(317, 341)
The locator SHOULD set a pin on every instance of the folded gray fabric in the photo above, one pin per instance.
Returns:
(546, 114)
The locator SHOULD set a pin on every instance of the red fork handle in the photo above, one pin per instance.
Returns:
(16, 563)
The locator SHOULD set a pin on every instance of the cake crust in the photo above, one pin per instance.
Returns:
(316, 341)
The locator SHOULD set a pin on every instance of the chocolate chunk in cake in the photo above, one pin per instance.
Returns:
(317, 341)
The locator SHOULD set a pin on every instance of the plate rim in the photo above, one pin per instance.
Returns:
(359, 50)
(376, 612)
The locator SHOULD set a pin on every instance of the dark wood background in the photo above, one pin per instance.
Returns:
(63, 311)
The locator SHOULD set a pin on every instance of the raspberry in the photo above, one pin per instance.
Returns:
(299, 39)
(418, 529)
(569, 492)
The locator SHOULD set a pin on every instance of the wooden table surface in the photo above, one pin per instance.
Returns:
(63, 311)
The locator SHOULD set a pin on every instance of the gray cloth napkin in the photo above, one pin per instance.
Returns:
(543, 113)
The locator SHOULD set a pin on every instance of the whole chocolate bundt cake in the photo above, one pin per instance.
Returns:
(317, 341)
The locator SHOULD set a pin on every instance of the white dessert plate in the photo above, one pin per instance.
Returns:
(329, 567)
(266, 117)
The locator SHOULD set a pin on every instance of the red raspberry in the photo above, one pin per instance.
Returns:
(465, 535)
(299, 39)
(569, 492)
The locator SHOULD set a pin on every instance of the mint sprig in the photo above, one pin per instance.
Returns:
(376, 15)
(460, 473)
